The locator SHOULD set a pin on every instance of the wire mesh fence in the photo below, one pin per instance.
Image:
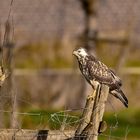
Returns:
(63, 125)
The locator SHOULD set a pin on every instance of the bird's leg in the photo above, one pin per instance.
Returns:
(94, 86)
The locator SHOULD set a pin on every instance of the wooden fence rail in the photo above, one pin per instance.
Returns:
(18, 72)
(24, 134)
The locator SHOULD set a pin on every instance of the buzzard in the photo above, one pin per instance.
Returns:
(95, 71)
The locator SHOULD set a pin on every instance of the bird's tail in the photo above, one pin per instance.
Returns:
(118, 93)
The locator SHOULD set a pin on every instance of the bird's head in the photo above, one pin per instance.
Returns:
(80, 53)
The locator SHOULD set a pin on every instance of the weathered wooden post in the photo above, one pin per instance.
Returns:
(8, 47)
(93, 112)
(85, 118)
(97, 112)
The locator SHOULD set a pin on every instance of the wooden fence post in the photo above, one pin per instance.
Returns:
(8, 46)
(98, 112)
(91, 119)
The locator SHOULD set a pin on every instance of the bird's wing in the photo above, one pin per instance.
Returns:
(99, 71)
(117, 80)
(118, 93)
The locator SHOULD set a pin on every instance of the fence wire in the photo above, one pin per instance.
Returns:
(66, 120)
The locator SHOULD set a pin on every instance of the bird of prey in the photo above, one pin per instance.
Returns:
(95, 71)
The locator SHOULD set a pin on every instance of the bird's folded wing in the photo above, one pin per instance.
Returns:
(99, 71)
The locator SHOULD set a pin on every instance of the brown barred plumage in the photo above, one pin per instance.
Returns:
(95, 70)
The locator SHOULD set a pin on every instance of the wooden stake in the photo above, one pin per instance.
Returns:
(92, 115)
(98, 111)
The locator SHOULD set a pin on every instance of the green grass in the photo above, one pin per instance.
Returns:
(126, 120)
(52, 119)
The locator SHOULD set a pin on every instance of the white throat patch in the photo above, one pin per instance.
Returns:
(82, 52)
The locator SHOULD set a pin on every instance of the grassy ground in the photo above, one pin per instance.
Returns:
(127, 124)
(123, 124)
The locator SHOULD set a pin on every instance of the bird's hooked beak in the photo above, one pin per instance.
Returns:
(75, 53)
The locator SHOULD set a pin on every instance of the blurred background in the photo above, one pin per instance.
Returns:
(37, 39)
